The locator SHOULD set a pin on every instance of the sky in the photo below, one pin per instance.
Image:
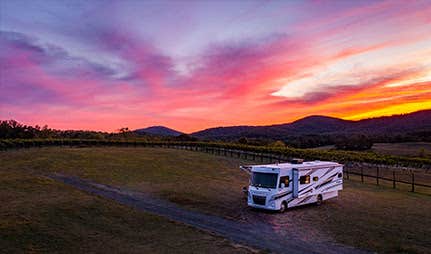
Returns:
(191, 65)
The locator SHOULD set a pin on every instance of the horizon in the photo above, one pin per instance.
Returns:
(224, 126)
(195, 65)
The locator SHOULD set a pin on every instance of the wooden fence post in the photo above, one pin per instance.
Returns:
(377, 175)
(413, 181)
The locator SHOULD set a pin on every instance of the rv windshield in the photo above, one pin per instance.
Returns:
(265, 180)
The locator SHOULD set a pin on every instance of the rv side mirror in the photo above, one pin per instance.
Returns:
(282, 185)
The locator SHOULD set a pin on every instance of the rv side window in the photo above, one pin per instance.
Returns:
(285, 180)
(304, 179)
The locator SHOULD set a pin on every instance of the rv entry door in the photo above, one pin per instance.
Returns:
(295, 182)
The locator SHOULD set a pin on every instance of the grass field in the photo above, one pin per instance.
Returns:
(39, 215)
(412, 149)
(48, 216)
(408, 149)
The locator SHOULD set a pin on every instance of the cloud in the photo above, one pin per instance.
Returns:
(54, 59)
(332, 64)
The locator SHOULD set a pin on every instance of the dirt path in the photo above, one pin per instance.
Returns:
(254, 234)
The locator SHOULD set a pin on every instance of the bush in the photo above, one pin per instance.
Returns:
(278, 144)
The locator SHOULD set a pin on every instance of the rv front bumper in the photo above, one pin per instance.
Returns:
(270, 206)
(262, 200)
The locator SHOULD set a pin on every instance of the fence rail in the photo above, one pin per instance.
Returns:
(413, 174)
(394, 180)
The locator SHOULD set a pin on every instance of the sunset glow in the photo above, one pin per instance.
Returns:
(190, 65)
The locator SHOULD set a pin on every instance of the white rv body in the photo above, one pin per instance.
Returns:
(285, 185)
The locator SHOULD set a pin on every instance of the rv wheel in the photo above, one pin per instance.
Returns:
(283, 207)
(319, 200)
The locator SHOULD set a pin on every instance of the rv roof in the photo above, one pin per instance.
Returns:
(304, 165)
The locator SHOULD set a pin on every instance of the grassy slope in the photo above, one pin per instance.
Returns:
(39, 215)
(366, 216)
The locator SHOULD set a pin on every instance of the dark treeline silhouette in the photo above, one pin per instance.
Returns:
(353, 141)
(11, 129)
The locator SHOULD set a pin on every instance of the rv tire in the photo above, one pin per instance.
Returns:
(319, 200)
(283, 207)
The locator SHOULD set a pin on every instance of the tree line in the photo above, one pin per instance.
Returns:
(11, 129)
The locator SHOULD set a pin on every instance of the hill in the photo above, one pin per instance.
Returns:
(159, 131)
(419, 121)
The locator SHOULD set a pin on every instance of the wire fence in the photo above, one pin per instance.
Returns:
(415, 180)
(403, 178)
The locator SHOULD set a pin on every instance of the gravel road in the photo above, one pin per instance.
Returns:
(254, 234)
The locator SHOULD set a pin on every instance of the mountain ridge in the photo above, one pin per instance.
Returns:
(318, 124)
(159, 131)
(309, 125)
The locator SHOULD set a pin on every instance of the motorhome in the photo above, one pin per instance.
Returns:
(284, 185)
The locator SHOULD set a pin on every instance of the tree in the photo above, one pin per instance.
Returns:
(278, 144)
(243, 140)
(123, 130)
(185, 137)
(354, 143)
